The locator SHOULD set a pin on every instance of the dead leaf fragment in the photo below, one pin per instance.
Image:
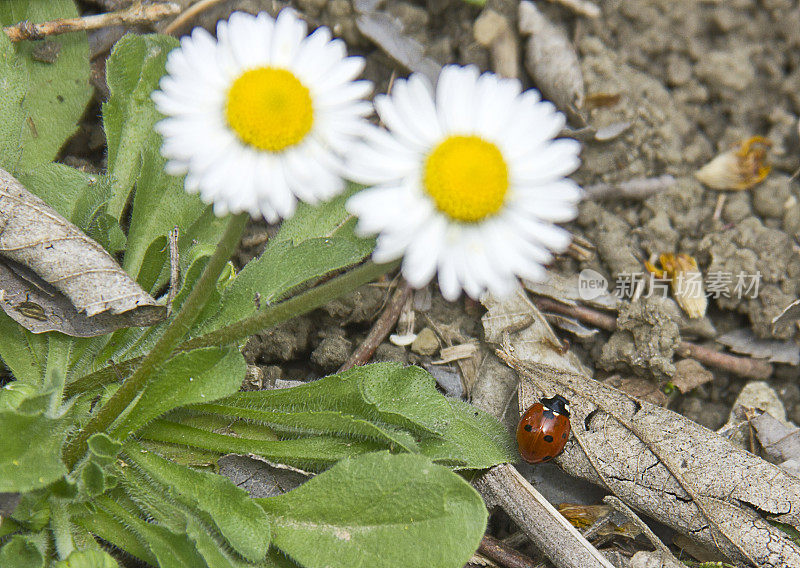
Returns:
(780, 441)
(387, 33)
(743, 340)
(55, 278)
(689, 374)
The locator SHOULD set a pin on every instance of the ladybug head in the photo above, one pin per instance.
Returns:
(557, 404)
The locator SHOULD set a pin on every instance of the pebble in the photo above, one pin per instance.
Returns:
(426, 343)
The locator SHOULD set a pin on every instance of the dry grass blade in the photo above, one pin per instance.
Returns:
(55, 278)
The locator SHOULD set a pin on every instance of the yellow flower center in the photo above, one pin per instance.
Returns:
(467, 178)
(269, 109)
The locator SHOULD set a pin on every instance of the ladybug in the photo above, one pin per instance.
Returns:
(544, 429)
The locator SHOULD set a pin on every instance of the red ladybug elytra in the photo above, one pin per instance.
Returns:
(544, 429)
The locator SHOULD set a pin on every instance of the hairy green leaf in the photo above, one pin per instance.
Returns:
(473, 440)
(316, 423)
(133, 70)
(315, 453)
(238, 519)
(88, 559)
(20, 350)
(379, 510)
(159, 204)
(113, 524)
(31, 458)
(201, 375)
(21, 552)
(387, 392)
(42, 101)
(315, 241)
(74, 194)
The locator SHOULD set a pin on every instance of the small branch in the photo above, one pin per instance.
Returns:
(549, 531)
(742, 366)
(182, 21)
(639, 188)
(499, 552)
(137, 14)
(381, 329)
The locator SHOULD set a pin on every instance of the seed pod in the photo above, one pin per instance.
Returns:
(741, 167)
(686, 282)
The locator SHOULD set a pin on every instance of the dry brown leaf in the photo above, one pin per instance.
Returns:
(780, 441)
(388, 34)
(689, 374)
(657, 461)
(743, 340)
(639, 388)
(55, 278)
(552, 61)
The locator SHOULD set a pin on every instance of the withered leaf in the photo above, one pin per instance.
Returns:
(743, 340)
(659, 462)
(55, 278)
(552, 61)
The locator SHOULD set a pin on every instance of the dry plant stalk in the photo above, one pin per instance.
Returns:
(55, 278)
(657, 461)
(505, 487)
(135, 15)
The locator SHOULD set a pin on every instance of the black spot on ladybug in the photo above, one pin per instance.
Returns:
(548, 413)
(548, 438)
(528, 428)
(564, 436)
(547, 458)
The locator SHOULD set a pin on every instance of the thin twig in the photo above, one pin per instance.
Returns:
(380, 330)
(742, 366)
(499, 552)
(175, 269)
(135, 15)
(181, 22)
(639, 188)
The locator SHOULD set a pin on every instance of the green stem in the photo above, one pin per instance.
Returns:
(166, 344)
(293, 307)
(270, 317)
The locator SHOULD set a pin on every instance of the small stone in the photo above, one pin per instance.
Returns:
(731, 69)
(272, 374)
(426, 343)
(758, 394)
(332, 352)
(389, 352)
(253, 379)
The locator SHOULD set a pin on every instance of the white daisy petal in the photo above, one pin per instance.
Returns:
(237, 148)
(468, 182)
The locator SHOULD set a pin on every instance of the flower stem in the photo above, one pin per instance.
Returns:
(166, 344)
(298, 305)
(270, 317)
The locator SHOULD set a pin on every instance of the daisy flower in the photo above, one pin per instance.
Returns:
(261, 116)
(467, 182)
